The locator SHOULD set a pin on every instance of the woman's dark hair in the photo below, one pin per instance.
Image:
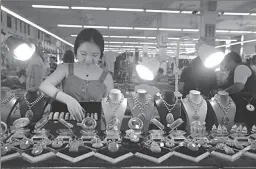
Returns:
(233, 56)
(68, 57)
(90, 35)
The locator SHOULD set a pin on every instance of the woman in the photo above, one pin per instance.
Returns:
(83, 81)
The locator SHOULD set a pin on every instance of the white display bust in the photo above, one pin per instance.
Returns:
(137, 109)
(195, 97)
(225, 100)
(111, 107)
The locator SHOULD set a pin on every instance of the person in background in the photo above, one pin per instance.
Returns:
(53, 65)
(197, 77)
(68, 57)
(252, 63)
(84, 80)
(241, 85)
(160, 75)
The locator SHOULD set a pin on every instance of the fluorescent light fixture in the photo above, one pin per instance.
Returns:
(187, 44)
(138, 46)
(105, 36)
(96, 27)
(34, 25)
(186, 12)
(149, 29)
(70, 26)
(253, 14)
(74, 35)
(151, 47)
(232, 40)
(162, 11)
(89, 8)
(137, 37)
(115, 27)
(151, 37)
(222, 31)
(118, 36)
(173, 38)
(190, 30)
(131, 42)
(128, 46)
(50, 7)
(147, 43)
(236, 43)
(240, 31)
(126, 9)
(169, 29)
(115, 42)
(115, 46)
(233, 13)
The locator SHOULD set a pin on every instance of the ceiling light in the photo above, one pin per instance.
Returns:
(137, 37)
(126, 9)
(115, 42)
(240, 32)
(167, 29)
(222, 31)
(162, 11)
(70, 26)
(190, 30)
(34, 25)
(138, 46)
(236, 43)
(186, 12)
(232, 13)
(187, 44)
(50, 7)
(149, 29)
(89, 8)
(114, 27)
(118, 36)
(151, 47)
(96, 27)
(131, 42)
(147, 43)
(151, 37)
(105, 36)
(225, 40)
(173, 38)
(253, 14)
(115, 46)
(128, 46)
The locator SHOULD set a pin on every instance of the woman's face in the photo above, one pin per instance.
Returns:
(88, 53)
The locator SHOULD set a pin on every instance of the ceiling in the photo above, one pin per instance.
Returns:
(50, 18)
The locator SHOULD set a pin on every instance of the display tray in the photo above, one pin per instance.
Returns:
(114, 157)
(147, 154)
(46, 154)
(50, 147)
(250, 153)
(12, 154)
(229, 157)
(132, 146)
(195, 156)
(74, 157)
(18, 148)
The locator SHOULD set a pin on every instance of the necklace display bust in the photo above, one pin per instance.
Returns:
(224, 108)
(36, 108)
(166, 104)
(195, 108)
(142, 106)
(114, 106)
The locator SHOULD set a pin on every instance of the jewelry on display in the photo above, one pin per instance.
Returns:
(135, 124)
(113, 147)
(196, 107)
(155, 147)
(37, 149)
(249, 106)
(25, 144)
(253, 129)
(169, 143)
(65, 123)
(175, 124)
(225, 119)
(57, 143)
(29, 113)
(41, 123)
(7, 100)
(74, 145)
(88, 124)
(141, 106)
(3, 128)
(21, 123)
(5, 148)
(157, 123)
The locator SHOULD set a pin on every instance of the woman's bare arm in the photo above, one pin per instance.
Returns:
(48, 85)
(109, 83)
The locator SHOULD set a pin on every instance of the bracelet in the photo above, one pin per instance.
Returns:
(55, 95)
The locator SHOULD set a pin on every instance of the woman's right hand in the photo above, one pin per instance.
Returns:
(75, 109)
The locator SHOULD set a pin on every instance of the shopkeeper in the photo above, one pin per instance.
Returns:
(241, 85)
(82, 81)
